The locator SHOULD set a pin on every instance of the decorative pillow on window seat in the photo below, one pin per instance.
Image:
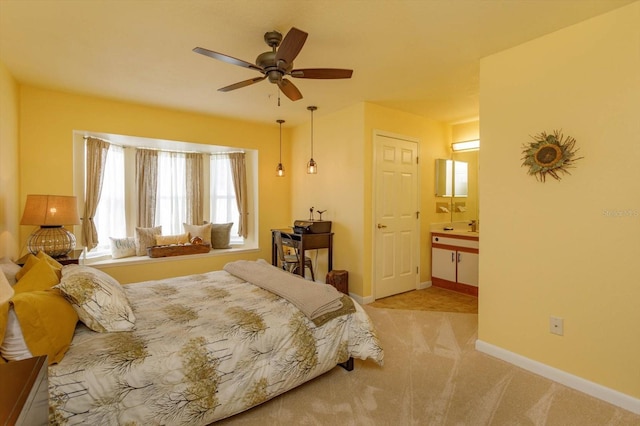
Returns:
(123, 247)
(146, 237)
(221, 235)
(202, 231)
(165, 240)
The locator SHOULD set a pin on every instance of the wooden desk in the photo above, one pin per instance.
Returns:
(304, 242)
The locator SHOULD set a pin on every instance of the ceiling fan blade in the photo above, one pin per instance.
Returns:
(226, 58)
(242, 84)
(289, 89)
(291, 45)
(324, 73)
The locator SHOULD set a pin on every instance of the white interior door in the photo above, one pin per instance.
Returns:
(396, 250)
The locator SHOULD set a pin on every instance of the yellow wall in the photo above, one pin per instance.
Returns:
(9, 185)
(343, 148)
(336, 188)
(567, 248)
(48, 119)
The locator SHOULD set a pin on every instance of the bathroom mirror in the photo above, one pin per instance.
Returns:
(466, 207)
(451, 178)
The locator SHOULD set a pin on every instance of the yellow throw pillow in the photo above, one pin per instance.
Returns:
(57, 266)
(41, 276)
(47, 321)
(163, 240)
(28, 264)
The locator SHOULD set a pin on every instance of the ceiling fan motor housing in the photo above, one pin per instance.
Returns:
(275, 72)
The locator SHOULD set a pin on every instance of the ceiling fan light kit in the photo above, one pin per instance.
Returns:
(278, 63)
(312, 166)
(280, 167)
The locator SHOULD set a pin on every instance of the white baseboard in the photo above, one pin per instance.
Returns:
(609, 395)
(424, 285)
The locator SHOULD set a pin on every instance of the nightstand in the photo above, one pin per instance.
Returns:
(24, 392)
(73, 258)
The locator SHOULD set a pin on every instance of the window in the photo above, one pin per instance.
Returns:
(224, 208)
(171, 201)
(110, 219)
(116, 215)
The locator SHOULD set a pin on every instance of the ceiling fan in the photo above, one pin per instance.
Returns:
(278, 63)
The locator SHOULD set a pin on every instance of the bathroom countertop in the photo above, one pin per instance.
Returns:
(457, 232)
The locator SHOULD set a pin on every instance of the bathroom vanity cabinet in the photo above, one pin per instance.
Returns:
(454, 261)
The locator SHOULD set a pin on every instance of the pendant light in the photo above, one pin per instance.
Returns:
(280, 168)
(312, 166)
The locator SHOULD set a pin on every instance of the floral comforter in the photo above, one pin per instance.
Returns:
(205, 347)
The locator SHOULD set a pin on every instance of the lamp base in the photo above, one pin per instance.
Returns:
(55, 241)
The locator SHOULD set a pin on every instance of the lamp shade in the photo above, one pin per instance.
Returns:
(6, 291)
(50, 210)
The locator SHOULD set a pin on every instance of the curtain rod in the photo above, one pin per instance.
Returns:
(164, 150)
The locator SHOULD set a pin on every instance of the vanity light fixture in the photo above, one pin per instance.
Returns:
(280, 168)
(466, 145)
(312, 166)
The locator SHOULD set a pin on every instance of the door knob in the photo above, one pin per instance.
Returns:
(380, 226)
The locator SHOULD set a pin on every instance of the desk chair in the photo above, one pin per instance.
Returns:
(291, 262)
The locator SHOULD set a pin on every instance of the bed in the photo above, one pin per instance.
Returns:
(204, 347)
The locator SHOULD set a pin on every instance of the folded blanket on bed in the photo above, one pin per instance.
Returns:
(313, 299)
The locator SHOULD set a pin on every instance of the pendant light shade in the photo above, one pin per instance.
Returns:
(280, 168)
(312, 166)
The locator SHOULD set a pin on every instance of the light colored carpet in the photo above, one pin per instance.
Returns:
(432, 376)
(430, 299)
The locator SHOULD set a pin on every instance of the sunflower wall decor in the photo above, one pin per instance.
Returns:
(549, 154)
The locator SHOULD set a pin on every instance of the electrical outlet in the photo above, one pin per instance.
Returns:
(556, 325)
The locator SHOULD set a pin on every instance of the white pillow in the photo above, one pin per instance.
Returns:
(123, 247)
(9, 269)
(202, 231)
(13, 347)
(98, 299)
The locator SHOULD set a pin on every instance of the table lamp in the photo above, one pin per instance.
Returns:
(51, 213)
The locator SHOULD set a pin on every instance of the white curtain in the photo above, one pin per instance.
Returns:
(171, 202)
(110, 218)
(224, 208)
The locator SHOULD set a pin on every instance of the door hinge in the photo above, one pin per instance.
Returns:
(417, 270)
(417, 160)
(418, 215)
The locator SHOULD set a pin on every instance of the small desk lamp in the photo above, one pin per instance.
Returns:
(51, 213)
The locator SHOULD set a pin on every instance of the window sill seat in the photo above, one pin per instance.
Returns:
(103, 263)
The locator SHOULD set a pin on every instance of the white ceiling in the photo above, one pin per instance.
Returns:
(417, 56)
